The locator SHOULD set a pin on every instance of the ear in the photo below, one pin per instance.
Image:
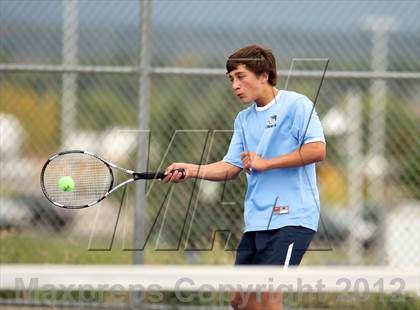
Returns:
(264, 77)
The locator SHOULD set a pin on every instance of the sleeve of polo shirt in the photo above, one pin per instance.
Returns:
(233, 155)
(306, 126)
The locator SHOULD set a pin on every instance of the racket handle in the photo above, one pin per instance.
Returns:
(155, 175)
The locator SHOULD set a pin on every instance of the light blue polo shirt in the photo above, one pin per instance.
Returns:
(278, 197)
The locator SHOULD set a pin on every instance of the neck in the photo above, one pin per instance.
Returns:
(267, 96)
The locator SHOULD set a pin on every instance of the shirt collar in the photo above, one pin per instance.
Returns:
(268, 105)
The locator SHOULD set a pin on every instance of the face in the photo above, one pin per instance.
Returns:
(247, 86)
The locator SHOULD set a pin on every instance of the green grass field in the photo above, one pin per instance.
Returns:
(50, 249)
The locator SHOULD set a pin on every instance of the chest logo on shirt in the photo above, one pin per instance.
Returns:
(271, 121)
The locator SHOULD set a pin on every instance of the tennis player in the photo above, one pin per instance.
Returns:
(277, 140)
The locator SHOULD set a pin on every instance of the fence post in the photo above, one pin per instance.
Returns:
(381, 27)
(355, 162)
(69, 83)
(143, 124)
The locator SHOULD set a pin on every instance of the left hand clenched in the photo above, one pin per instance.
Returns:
(252, 161)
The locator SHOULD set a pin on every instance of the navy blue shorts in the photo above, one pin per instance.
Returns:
(269, 247)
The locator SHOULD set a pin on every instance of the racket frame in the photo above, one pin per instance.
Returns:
(134, 177)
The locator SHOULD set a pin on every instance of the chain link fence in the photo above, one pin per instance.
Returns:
(71, 78)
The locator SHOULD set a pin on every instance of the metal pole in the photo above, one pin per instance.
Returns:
(354, 143)
(305, 74)
(143, 123)
(381, 28)
(69, 85)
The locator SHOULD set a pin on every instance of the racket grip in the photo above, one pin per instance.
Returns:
(155, 175)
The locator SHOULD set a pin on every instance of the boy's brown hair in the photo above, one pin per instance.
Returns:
(257, 59)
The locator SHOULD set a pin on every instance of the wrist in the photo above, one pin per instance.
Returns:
(193, 169)
(274, 163)
(268, 164)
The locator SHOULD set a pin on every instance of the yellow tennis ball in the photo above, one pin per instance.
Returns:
(66, 184)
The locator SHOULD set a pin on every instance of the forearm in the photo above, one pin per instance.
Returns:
(218, 171)
(307, 154)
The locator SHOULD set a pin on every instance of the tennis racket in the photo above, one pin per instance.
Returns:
(91, 179)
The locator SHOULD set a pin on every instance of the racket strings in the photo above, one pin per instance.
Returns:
(92, 179)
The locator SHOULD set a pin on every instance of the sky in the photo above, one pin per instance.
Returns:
(335, 14)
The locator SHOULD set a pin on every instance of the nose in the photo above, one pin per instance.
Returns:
(235, 84)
